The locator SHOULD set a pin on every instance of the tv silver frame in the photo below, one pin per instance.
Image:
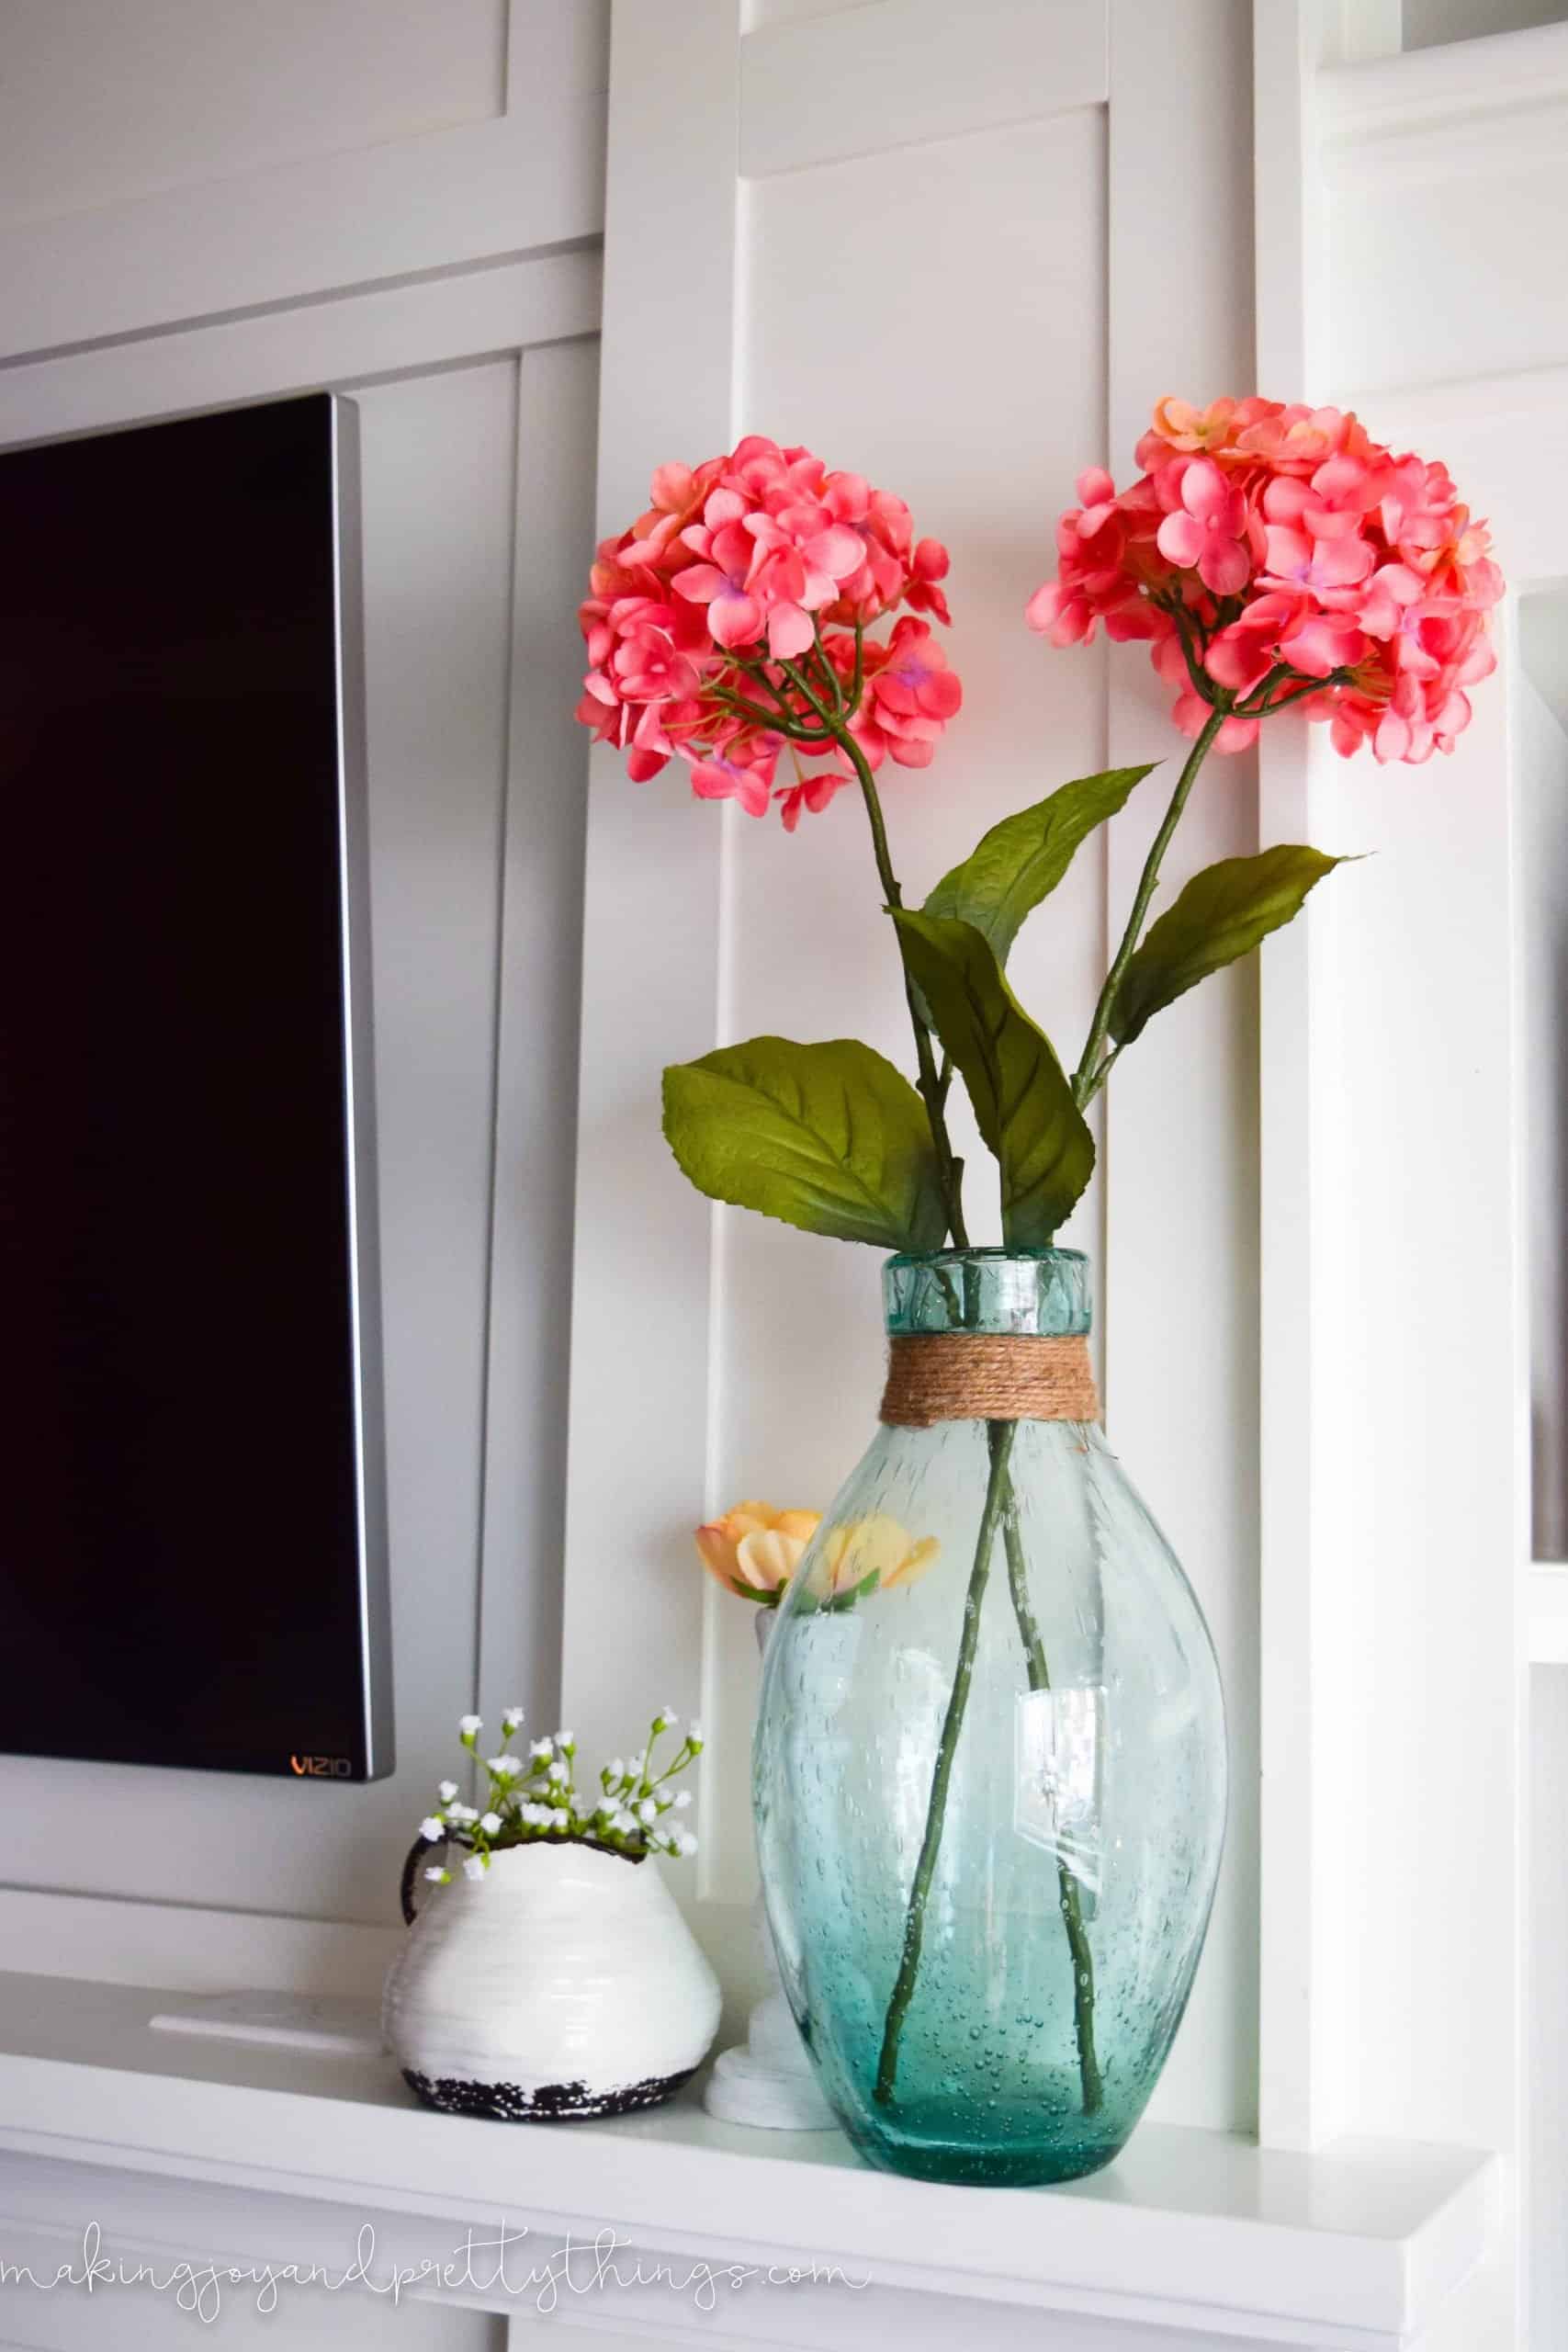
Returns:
(359, 1103)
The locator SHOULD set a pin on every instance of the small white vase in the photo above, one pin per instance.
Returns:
(563, 1984)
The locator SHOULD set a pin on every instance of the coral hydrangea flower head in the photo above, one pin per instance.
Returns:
(731, 619)
(1275, 556)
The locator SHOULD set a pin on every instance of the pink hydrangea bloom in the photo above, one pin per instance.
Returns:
(740, 568)
(1276, 556)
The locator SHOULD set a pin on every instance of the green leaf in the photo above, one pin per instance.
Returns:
(1221, 915)
(829, 1137)
(1021, 860)
(1022, 1100)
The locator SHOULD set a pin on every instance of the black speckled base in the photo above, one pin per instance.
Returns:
(551, 2103)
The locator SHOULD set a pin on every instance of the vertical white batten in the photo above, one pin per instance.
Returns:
(1179, 1287)
(1300, 2020)
(1396, 1477)
(643, 1368)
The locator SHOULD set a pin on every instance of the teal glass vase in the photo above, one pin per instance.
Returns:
(990, 1771)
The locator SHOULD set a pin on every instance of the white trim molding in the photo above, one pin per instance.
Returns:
(281, 2155)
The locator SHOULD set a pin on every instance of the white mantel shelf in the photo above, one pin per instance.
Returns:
(218, 2146)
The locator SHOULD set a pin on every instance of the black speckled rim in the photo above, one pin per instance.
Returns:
(551, 2103)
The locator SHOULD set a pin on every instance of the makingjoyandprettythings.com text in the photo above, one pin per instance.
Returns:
(495, 2266)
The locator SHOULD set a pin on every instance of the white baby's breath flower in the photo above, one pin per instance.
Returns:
(447, 1791)
(561, 1818)
(490, 1824)
(557, 1771)
(633, 1768)
(615, 1769)
(502, 1767)
(564, 1739)
(686, 1842)
(666, 1720)
(467, 1726)
(694, 1736)
(541, 1748)
(511, 1721)
(431, 1828)
(535, 1816)
(461, 1813)
(439, 1877)
(683, 1800)
(474, 1866)
(624, 1822)
(648, 1809)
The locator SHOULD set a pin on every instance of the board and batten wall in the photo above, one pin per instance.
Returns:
(952, 272)
(203, 204)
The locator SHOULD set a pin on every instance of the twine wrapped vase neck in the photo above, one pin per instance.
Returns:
(987, 1376)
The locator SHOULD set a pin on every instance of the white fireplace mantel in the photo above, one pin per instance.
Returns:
(176, 2148)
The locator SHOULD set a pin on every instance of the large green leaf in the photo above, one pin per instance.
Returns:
(1023, 1102)
(1021, 860)
(829, 1137)
(1222, 914)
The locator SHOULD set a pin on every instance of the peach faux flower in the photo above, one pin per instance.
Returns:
(754, 1550)
(875, 1553)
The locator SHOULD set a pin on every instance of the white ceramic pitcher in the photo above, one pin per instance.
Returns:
(563, 1984)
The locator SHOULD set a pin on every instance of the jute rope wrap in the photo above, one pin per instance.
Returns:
(981, 1376)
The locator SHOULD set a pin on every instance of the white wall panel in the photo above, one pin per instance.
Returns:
(99, 101)
(249, 191)
(967, 332)
(440, 493)
(1444, 170)
(924, 291)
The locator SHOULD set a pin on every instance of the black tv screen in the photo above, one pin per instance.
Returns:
(192, 1544)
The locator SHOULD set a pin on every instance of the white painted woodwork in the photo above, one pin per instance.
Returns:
(1548, 1919)
(1429, 23)
(105, 105)
(962, 250)
(1301, 1635)
(1195, 2239)
(1179, 1233)
(638, 1474)
(921, 289)
(1542, 784)
(295, 224)
(1414, 1061)
(476, 392)
(1442, 170)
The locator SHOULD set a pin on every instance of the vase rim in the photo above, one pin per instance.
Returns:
(987, 1293)
(991, 1253)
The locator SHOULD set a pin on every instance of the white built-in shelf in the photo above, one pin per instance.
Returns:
(207, 2145)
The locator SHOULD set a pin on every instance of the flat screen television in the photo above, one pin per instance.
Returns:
(193, 1560)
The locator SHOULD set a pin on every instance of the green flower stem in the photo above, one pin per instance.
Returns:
(932, 1091)
(1072, 1909)
(1000, 1502)
(936, 1811)
(1090, 1076)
